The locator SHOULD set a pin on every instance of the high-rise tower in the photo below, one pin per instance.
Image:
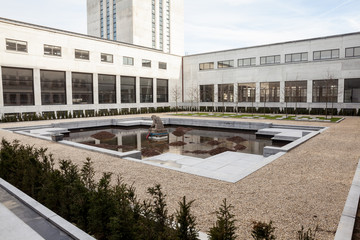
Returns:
(155, 24)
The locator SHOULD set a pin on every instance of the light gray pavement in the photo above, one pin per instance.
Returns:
(307, 186)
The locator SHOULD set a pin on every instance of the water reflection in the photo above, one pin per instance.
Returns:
(196, 141)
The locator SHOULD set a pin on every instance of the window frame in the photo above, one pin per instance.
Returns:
(163, 65)
(16, 45)
(242, 60)
(301, 57)
(267, 58)
(146, 63)
(321, 52)
(127, 62)
(106, 54)
(225, 64)
(206, 66)
(52, 50)
(353, 52)
(81, 54)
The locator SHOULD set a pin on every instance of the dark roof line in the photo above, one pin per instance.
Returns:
(279, 43)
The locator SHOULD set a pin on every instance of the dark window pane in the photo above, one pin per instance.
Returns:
(206, 93)
(82, 88)
(107, 88)
(17, 86)
(53, 87)
(162, 90)
(325, 90)
(128, 89)
(225, 93)
(146, 90)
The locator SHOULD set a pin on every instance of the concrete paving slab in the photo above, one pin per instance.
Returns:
(13, 228)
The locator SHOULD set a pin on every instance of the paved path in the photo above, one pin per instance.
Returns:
(307, 186)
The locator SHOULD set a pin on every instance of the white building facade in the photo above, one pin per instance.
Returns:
(49, 70)
(155, 24)
(310, 74)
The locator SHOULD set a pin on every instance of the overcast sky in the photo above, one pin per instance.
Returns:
(212, 25)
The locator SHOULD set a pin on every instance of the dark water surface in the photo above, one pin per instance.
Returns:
(128, 139)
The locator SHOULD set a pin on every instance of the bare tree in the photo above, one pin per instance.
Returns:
(176, 94)
(196, 96)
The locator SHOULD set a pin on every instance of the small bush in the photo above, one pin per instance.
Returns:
(307, 235)
(263, 231)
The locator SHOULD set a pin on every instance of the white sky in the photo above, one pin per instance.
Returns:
(212, 25)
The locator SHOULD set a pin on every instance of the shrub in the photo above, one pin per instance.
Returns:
(186, 222)
(308, 235)
(224, 227)
(263, 231)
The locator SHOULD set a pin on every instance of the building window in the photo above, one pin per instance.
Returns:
(18, 86)
(352, 52)
(162, 65)
(206, 93)
(128, 61)
(325, 90)
(52, 50)
(296, 57)
(108, 19)
(146, 63)
(326, 54)
(53, 87)
(162, 90)
(107, 58)
(102, 18)
(352, 90)
(107, 88)
(225, 64)
(82, 54)
(16, 45)
(225, 93)
(82, 88)
(246, 62)
(246, 92)
(128, 89)
(153, 24)
(270, 60)
(270, 92)
(146, 90)
(114, 20)
(296, 91)
(206, 66)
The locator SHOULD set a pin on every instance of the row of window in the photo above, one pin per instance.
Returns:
(295, 91)
(18, 88)
(21, 46)
(275, 59)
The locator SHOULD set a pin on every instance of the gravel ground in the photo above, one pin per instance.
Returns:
(307, 186)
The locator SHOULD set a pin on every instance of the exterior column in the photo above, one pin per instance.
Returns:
(282, 91)
(341, 90)
(138, 138)
(96, 89)
(118, 89)
(1, 91)
(137, 89)
(309, 91)
(258, 90)
(216, 92)
(155, 90)
(37, 87)
(68, 88)
(236, 99)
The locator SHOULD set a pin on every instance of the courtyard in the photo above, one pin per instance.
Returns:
(307, 186)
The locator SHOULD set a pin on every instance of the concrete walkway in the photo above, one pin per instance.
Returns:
(307, 186)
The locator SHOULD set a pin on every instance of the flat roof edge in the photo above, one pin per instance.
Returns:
(278, 43)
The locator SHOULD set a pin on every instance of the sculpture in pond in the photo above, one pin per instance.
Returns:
(157, 129)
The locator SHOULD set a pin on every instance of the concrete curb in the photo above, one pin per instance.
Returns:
(347, 221)
(46, 213)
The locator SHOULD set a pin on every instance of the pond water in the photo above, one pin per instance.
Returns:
(197, 142)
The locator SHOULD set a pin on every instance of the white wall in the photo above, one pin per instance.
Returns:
(341, 68)
(35, 59)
